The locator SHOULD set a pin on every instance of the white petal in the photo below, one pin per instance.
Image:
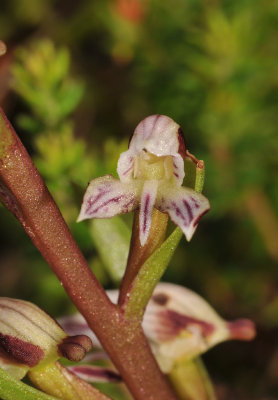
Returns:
(158, 134)
(184, 206)
(173, 308)
(107, 196)
(178, 164)
(126, 166)
(148, 198)
(180, 323)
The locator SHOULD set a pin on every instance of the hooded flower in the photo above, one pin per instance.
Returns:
(178, 323)
(151, 173)
(30, 338)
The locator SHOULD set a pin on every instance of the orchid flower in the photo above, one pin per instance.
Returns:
(178, 323)
(151, 173)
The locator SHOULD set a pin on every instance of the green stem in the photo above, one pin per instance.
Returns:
(139, 254)
(150, 273)
(12, 389)
(24, 193)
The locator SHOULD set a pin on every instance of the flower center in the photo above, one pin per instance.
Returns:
(148, 166)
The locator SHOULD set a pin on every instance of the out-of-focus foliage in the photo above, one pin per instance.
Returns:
(81, 75)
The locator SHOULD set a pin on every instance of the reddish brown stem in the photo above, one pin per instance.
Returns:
(139, 254)
(23, 192)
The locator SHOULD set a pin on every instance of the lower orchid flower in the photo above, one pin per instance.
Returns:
(151, 173)
(178, 323)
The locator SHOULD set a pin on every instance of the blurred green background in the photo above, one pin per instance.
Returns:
(76, 80)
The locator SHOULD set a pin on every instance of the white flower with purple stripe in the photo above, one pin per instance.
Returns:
(178, 323)
(151, 173)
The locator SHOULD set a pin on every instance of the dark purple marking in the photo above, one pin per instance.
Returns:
(92, 200)
(200, 216)
(21, 351)
(129, 169)
(145, 212)
(188, 209)
(125, 206)
(160, 298)
(176, 175)
(177, 322)
(182, 146)
(179, 213)
(97, 372)
(194, 202)
(113, 200)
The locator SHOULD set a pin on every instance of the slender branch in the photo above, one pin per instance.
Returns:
(139, 254)
(148, 277)
(150, 273)
(23, 192)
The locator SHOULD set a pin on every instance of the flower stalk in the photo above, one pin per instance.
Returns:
(138, 254)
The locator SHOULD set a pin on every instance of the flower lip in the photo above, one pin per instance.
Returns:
(182, 145)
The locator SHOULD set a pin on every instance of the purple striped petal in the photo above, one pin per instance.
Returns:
(125, 166)
(148, 198)
(92, 373)
(180, 323)
(158, 134)
(184, 206)
(178, 165)
(107, 196)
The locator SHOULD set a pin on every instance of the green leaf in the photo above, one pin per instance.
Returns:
(111, 238)
(12, 389)
(150, 274)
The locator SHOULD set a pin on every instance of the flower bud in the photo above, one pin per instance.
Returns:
(30, 337)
